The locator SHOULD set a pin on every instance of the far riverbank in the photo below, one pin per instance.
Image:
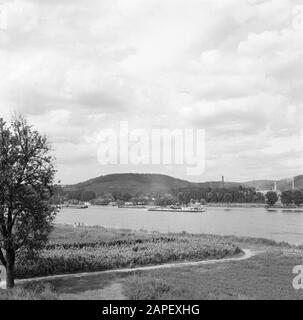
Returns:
(235, 205)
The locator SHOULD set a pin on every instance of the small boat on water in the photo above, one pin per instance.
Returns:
(191, 208)
(73, 206)
(131, 207)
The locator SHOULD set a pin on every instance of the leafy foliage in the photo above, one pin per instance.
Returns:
(26, 177)
(271, 198)
(286, 197)
(297, 197)
(289, 197)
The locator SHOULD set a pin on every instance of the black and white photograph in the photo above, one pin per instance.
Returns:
(151, 151)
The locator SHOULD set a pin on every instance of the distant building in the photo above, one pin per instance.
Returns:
(274, 189)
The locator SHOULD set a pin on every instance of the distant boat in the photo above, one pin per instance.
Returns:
(272, 209)
(131, 206)
(77, 206)
(190, 209)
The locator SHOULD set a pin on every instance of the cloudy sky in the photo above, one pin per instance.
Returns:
(231, 67)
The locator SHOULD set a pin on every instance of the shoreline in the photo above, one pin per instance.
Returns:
(232, 238)
(228, 237)
(236, 205)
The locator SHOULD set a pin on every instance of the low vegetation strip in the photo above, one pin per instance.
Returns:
(114, 253)
(30, 292)
(108, 243)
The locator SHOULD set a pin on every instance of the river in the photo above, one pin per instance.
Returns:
(251, 222)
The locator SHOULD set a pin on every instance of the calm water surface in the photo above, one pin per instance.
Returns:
(253, 222)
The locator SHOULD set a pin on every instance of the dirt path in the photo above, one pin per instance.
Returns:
(247, 255)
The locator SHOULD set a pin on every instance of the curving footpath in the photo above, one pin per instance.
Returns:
(247, 255)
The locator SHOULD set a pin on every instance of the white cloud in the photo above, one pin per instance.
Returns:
(232, 67)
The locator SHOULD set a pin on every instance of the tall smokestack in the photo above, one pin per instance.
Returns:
(223, 183)
(293, 183)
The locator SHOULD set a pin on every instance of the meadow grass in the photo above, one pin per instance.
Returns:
(267, 276)
(30, 292)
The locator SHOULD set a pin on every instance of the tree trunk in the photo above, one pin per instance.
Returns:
(10, 268)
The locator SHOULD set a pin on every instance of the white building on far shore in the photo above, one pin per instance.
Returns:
(274, 189)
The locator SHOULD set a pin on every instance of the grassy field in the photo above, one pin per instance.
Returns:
(74, 250)
(268, 275)
(30, 292)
